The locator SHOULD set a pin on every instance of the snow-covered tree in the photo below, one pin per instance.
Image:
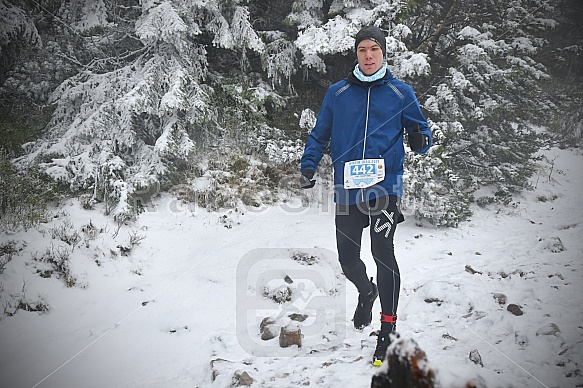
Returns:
(128, 121)
(484, 91)
(116, 124)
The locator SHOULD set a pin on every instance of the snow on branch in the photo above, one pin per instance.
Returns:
(336, 36)
(278, 60)
(239, 34)
(243, 32)
(94, 14)
(161, 23)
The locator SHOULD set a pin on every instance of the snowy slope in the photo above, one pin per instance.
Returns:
(183, 308)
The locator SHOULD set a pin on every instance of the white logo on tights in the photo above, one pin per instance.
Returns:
(386, 225)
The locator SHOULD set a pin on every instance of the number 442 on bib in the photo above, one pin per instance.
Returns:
(363, 173)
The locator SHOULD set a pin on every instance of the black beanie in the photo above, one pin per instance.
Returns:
(373, 33)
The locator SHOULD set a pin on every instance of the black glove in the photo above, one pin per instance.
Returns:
(306, 181)
(417, 140)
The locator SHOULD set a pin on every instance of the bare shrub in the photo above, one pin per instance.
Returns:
(59, 260)
(24, 196)
(66, 233)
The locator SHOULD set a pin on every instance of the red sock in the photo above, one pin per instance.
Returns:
(388, 318)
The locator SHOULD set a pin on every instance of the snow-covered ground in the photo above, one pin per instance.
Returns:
(182, 308)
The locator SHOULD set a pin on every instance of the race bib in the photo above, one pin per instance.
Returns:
(359, 174)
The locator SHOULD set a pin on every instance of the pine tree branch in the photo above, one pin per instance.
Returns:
(473, 164)
(57, 18)
(95, 62)
(422, 47)
(456, 153)
(72, 60)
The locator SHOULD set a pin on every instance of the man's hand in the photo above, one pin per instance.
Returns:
(306, 181)
(417, 140)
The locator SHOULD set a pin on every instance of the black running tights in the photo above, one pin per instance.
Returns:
(382, 215)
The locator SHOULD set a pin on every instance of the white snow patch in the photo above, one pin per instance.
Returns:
(161, 314)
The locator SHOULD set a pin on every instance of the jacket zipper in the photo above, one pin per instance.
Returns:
(365, 134)
(366, 122)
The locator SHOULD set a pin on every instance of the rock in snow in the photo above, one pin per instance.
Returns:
(267, 329)
(550, 329)
(515, 309)
(289, 337)
(242, 379)
(500, 298)
(476, 358)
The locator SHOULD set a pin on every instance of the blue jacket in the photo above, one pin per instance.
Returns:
(355, 111)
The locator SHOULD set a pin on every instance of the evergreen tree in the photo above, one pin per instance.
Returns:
(485, 91)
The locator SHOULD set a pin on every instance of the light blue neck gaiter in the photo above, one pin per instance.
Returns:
(370, 78)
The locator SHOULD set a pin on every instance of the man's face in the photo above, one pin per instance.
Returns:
(370, 57)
